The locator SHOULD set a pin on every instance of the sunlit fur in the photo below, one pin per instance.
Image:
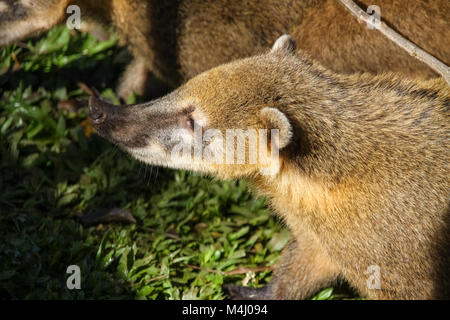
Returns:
(363, 179)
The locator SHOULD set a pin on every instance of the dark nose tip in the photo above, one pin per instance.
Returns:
(97, 110)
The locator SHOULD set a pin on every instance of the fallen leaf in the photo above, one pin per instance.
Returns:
(107, 216)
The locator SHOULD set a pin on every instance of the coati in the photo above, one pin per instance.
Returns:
(362, 174)
(172, 41)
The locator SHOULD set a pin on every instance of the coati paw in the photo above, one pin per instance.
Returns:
(237, 292)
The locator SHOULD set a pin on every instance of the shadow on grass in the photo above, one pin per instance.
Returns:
(40, 232)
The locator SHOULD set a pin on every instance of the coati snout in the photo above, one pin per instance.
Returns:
(136, 127)
(361, 176)
(99, 111)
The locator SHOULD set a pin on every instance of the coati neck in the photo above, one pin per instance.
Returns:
(349, 126)
(351, 135)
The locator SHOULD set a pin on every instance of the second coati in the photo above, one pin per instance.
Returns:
(361, 169)
(173, 41)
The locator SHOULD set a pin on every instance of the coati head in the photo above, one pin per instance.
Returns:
(195, 126)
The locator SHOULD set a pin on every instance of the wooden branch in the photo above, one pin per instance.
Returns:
(399, 40)
(158, 278)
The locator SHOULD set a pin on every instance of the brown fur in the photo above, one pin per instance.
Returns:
(176, 40)
(363, 179)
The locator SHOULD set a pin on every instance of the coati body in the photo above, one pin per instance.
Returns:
(179, 39)
(362, 177)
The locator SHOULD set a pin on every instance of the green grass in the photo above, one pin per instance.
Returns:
(192, 234)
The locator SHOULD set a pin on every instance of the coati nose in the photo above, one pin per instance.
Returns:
(98, 110)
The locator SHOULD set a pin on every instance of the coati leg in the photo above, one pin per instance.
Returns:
(97, 30)
(303, 269)
(138, 78)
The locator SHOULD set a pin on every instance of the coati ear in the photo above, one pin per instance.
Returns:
(284, 43)
(275, 119)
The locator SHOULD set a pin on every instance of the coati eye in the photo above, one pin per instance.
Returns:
(190, 122)
(188, 119)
